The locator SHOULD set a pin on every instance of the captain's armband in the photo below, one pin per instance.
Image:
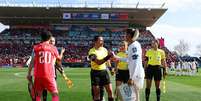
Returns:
(92, 57)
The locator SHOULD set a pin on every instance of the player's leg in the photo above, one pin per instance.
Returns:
(157, 79)
(45, 95)
(95, 82)
(148, 89)
(158, 90)
(101, 92)
(117, 93)
(118, 83)
(101, 87)
(51, 86)
(96, 92)
(38, 87)
(148, 76)
(108, 88)
(137, 93)
(105, 80)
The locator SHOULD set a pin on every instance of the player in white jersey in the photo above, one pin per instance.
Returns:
(136, 71)
(172, 67)
(183, 68)
(193, 67)
(189, 68)
(178, 69)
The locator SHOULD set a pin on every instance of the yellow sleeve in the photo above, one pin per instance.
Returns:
(91, 51)
(163, 54)
(147, 53)
(106, 52)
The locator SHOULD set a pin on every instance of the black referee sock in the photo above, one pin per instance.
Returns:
(110, 99)
(147, 93)
(44, 95)
(158, 94)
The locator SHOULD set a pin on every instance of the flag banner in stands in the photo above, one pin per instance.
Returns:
(92, 16)
(123, 16)
(96, 16)
(104, 16)
(66, 15)
(114, 16)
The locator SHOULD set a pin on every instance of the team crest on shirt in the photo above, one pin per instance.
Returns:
(134, 49)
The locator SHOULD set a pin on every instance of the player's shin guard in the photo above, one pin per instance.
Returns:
(147, 93)
(110, 99)
(44, 95)
(55, 98)
(158, 94)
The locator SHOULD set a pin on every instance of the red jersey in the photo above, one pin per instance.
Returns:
(45, 56)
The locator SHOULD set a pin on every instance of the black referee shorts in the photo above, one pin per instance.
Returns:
(153, 71)
(122, 75)
(100, 77)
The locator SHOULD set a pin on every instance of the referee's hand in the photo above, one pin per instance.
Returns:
(29, 78)
(164, 73)
(130, 82)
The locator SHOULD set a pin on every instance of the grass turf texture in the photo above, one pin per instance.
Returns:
(13, 86)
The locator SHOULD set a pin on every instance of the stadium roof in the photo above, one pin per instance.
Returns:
(30, 13)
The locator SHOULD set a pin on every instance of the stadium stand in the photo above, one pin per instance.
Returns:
(16, 44)
(73, 27)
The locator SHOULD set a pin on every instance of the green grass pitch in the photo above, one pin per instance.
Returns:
(13, 86)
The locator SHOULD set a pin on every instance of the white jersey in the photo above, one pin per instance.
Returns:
(193, 65)
(135, 67)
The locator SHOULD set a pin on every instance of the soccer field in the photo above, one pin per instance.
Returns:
(13, 86)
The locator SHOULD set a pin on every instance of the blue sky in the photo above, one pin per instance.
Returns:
(180, 22)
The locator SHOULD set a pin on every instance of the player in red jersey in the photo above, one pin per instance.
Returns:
(44, 59)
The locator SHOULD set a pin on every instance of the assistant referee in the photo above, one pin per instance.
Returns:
(155, 59)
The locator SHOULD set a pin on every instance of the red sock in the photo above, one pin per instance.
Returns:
(37, 98)
(55, 98)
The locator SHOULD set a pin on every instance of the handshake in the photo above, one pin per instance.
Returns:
(116, 58)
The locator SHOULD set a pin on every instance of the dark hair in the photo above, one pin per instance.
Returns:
(157, 41)
(46, 35)
(96, 38)
(130, 31)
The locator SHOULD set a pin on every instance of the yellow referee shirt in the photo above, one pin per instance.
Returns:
(100, 54)
(121, 64)
(155, 56)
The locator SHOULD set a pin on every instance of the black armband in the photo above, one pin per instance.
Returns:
(92, 57)
(107, 57)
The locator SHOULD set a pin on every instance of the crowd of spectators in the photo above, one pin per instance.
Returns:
(16, 44)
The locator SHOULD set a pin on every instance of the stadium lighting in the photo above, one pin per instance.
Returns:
(163, 5)
(59, 3)
(137, 4)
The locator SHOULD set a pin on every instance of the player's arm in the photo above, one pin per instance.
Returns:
(31, 65)
(120, 58)
(59, 56)
(112, 69)
(147, 54)
(164, 63)
(59, 67)
(146, 62)
(93, 58)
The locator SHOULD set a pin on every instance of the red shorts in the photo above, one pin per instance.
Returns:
(45, 83)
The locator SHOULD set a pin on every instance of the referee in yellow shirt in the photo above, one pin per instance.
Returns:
(122, 73)
(98, 56)
(155, 59)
